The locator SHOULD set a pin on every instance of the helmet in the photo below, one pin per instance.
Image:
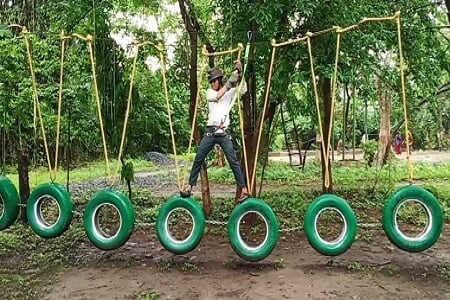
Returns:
(214, 74)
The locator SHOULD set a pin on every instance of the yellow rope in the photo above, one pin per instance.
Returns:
(127, 111)
(269, 81)
(405, 111)
(325, 152)
(160, 48)
(36, 96)
(266, 101)
(303, 39)
(347, 29)
(333, 101)
(340, 31)
(391, 18)
(194, 117)
(37, 106)
(58, 122)
(220, 53)
(89, 39)
(169, 114)
(241, 123)
(288, 42)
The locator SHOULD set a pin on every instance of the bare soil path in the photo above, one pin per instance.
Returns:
(375, 270)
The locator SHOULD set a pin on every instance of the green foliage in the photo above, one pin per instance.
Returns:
(9, 242)
(343, 175)
(127, 172)
(85, 172)
(149, 295)
(370, 149)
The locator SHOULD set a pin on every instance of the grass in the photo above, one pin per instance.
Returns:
(148, 295)
(276, 173)
(90, 171)
(343, 174)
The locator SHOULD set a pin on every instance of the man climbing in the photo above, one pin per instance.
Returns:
(220, 101)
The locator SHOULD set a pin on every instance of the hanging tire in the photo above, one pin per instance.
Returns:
(35, 216)
(197, 216)
(348, 233)
(240, 247)
(123, 207)
(9, 198)
(433, 229)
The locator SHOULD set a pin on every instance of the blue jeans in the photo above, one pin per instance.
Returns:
(207, 143)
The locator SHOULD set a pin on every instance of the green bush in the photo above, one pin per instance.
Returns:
(370, 149)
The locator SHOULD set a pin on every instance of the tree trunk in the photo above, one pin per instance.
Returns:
(23, 163)
(193, 27)
(252, 120)
(447, 4)
(326, 91)
(219, 159)
(385, 123)
(252, 140)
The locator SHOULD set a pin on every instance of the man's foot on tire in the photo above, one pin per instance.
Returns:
(187, 193)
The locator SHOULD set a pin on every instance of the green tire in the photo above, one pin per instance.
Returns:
(10, 200)
(34, 210)
(348, 234)
(253, 205)
(433, 229)
(91, 219)
(162, 225)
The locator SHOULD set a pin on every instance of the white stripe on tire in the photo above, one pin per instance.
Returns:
(343, 232)
(424, 232)
(37, 210)
(166, 226)
(238, 232)
(97, 229)
(2, 203)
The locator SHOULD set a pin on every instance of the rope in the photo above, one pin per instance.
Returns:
(160, 48)
(405, 111)
(89, 39)
(328, 30)
(220, 53)
(194, 117)
(269, 137)
(24, 31)
(339, 31)
(240, 110)
(58, 122)
(333, 101)
(325, 152)
(266, 100)
(38, 105)
(169, 114)
(391, 18)
(127, 111)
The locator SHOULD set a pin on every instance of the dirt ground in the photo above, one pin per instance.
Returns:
(372, 269)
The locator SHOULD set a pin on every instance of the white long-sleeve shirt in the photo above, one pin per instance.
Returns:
(219, 110)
